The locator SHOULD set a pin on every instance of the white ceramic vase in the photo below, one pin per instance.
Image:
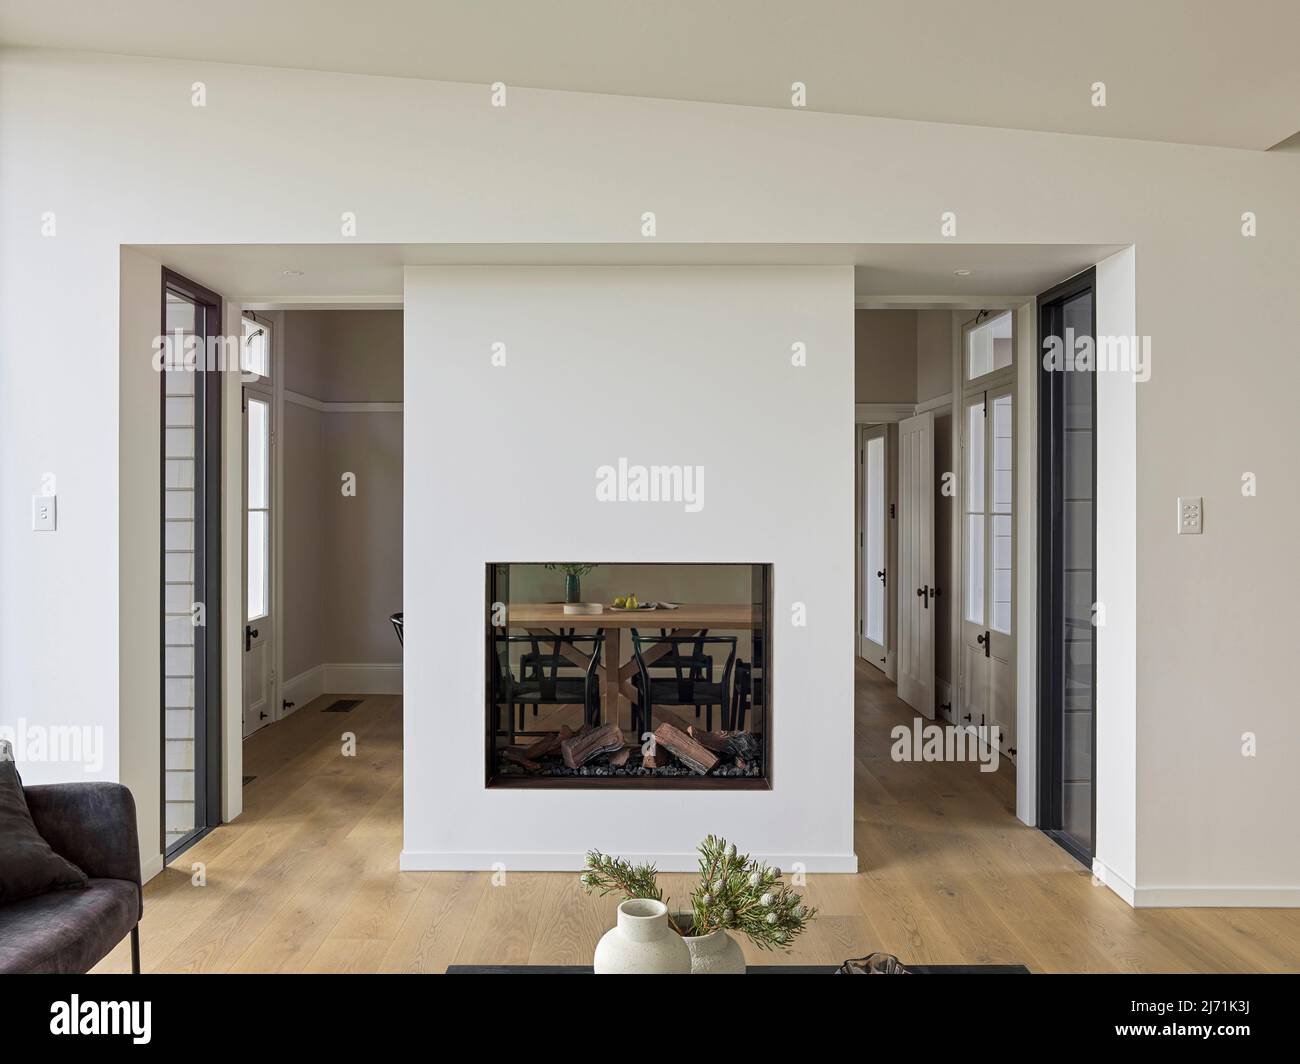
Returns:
(642, 943)
(716, 953)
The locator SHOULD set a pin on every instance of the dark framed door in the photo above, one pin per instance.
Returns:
(1067, 493)
(190, 679)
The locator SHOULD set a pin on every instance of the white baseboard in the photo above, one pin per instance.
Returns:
(1114, 881)
(438, 861)
(342, 679)
(1197, 897)
(363, 679)
(150, 867)
(302, 689)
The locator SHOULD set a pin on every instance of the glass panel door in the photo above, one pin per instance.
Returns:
(986, 689)
(191, 507)
(1067, 573)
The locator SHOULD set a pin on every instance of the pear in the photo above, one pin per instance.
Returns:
(620, 602)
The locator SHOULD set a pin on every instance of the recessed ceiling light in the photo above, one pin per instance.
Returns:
(963, 272)
(292, 273)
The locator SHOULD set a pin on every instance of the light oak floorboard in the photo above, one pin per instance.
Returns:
(306, 879)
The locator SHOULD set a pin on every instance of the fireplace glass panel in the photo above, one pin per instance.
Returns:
(628, 674)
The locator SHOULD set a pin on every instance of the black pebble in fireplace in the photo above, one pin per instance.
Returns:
(660, 678)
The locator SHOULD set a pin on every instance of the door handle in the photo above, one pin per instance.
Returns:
(926, 594)
(250, 633)
(984, 639)
(880, 573)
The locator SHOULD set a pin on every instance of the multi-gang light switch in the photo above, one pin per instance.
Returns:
(43, 513)
(1189, 515)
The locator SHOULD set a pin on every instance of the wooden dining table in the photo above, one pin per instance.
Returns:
(689, 618)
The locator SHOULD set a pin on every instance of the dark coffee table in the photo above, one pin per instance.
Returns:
(754, 969)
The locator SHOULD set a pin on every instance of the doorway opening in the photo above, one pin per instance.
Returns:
(322, 501)
(937, 522)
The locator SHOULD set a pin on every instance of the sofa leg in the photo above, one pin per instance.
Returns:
(135, 950)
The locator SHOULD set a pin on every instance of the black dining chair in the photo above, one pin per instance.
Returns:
(696, 665)
(396, 621)
(545, 659)
(691, 689)
(540, 683)
(750, 686)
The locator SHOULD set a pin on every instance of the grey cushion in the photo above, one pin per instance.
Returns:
(28, 865)
(67, 931)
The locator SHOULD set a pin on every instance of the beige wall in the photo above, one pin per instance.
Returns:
(934, 332)
(884, 344)
(362, 574)
(346, 356)
(305, 532)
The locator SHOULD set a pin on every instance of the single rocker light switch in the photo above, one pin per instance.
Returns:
(1189, 515)
(43, 513)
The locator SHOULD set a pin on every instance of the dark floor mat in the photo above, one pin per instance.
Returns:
(343, 705)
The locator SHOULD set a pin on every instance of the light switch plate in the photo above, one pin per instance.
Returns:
(1189, 515)
(44, 513)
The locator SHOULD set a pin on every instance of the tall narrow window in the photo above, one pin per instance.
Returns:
(258, 366)
(259, 507)
(191, 505)
(1067, 572)
(875, 547)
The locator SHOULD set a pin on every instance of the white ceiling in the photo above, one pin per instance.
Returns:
(1195, 71)
(371, 274)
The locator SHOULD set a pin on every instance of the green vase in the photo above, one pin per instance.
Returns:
(572, 589)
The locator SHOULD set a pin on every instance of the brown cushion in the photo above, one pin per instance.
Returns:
(28, 866)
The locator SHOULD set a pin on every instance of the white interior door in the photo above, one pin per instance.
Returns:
(259, 615)
(874, 539)
(916, 597)
(986, 691)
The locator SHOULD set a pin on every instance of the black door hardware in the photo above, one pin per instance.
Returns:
(985, 640)
(250, 633)
(881, 574)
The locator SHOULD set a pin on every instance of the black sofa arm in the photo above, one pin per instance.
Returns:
(91, 824)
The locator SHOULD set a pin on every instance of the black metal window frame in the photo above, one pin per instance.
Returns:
(1051, 664)
(207, 570)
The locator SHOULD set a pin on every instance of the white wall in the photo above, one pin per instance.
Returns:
(1117, 638)
(140, 554)
(421, 161)
(605, 364)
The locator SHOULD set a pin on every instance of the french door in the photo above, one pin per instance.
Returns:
(873, 462)
(986, 685)
(259, 607)
(191, 562)
(1067, 574)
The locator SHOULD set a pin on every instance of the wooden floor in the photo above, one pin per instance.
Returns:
(306, 880)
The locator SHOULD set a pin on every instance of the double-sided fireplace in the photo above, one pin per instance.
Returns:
(629, 675)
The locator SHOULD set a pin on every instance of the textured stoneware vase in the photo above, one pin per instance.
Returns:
(716, 953)
(642, 943)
